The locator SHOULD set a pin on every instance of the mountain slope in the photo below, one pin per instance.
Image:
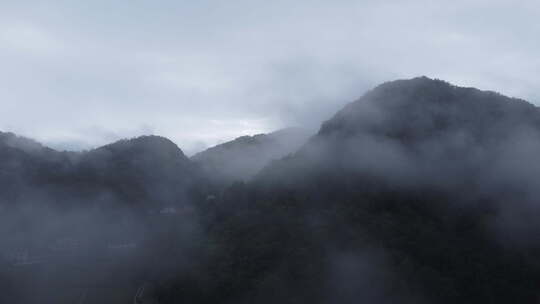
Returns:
(148, 170)
(411, 128)
(110, 217)
(23, 163)
(242, 158)
(419, 191)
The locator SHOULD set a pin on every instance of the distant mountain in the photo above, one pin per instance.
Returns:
(243, 157)
(147, 170)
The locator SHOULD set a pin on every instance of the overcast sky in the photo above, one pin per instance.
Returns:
(77, 74)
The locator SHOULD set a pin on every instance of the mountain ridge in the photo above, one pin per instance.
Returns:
(417, 192)
(432, 177)
(243, 157)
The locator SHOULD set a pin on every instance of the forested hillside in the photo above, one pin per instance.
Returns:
(417, 192)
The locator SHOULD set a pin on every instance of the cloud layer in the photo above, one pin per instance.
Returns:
(77, 75)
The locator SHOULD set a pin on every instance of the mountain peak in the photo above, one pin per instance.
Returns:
(151, 140)
(152, 144)
(418, 106)
(243, 157)
(414, 82)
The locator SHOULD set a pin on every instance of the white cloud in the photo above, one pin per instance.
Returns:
(28, 38)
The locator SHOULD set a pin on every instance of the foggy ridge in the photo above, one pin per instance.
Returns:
(417, 192)
(245, 156)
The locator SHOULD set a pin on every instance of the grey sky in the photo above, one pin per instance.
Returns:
(76, 74)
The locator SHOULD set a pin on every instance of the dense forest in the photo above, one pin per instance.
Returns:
(417, 192)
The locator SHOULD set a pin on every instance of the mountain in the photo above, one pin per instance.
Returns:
(22, 163)
(102, 217)
(419, 191)
(25, 144)
(243, 157)
(421, 129)
(147, 170)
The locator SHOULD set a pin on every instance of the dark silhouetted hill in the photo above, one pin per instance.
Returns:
(147, 170)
